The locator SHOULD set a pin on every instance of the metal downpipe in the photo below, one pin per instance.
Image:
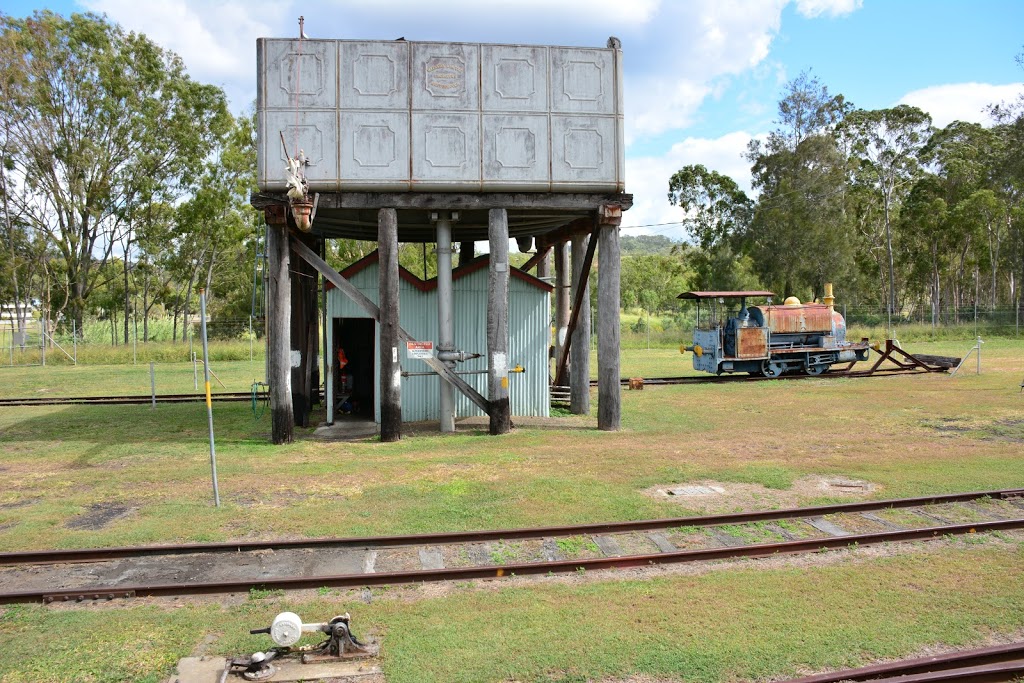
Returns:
(445, 322)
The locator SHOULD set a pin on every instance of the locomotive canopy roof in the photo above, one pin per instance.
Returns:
(722, 295)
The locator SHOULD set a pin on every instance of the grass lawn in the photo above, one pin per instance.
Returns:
(907, 435)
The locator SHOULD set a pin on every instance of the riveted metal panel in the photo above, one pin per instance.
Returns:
(374, 75)
(582, 81)
(514, 78)
(445, 77)
(315, 133)
(375, 149)
(752, 342)
(303, 75)
(582, 150)
(516, 152)
(445, 150)
(456, 104)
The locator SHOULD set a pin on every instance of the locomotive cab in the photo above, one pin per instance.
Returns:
(768, 340)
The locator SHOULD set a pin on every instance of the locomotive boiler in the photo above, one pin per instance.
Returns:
(768, 339)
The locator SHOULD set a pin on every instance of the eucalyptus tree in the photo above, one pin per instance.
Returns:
(102, 120)
(886, 144)
(799, 234)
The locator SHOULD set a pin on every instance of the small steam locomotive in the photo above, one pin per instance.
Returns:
(769, 340)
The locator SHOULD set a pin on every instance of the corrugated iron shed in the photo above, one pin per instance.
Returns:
(529, 335)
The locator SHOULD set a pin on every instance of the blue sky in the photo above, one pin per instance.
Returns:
(702, 76)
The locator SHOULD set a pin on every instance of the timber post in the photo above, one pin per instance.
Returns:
(579, 355)
(390, 368)
(466, 253)
(609, 396)
(279, 309)
(497, 322)
(561, 255)
(304, 337)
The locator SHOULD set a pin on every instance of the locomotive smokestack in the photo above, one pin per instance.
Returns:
(829, 299)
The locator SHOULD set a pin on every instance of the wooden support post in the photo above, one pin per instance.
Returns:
(466, 253)
(544, 262)
(609, 393)
(390, 368)
(497, 322)
(304, 337)
(561, 299)
(579, 375)
(279, 310)
(562, 362)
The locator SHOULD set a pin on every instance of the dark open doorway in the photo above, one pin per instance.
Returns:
(353, 385)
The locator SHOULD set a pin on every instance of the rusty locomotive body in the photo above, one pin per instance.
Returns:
(769, 339)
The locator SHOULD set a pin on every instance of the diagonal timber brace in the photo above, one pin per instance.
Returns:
(588, 262)
(361, 300)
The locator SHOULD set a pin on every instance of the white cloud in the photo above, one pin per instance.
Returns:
(961, 101)
(579, 11)
(832, 8)
(216, 40)
(647, 177)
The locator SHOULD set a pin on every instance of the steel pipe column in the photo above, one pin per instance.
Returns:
(497, 322)
(445, 322)
(279, 312)
(579, 348)
(390, 368)
(609, 408)
(561, 256)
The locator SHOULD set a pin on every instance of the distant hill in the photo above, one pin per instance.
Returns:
(646, 244)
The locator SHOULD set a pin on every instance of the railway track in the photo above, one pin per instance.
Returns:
(124, 400)
(191, 569)
(983, 665)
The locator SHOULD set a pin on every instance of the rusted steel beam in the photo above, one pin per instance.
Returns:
(907, 667)
(484, 572)
(99, 554)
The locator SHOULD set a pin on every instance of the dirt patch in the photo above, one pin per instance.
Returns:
(18, 503)
(99, 516)
(717, 496)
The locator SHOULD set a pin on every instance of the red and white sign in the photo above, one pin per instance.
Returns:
(420, 349)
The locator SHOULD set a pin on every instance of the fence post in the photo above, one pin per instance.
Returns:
(42, 339)
(195, 373)
(74, 339)
(152, 383)
(209, 403)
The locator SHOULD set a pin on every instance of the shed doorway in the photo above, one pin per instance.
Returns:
(354, 390)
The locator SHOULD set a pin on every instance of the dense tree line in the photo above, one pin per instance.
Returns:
(912, 219)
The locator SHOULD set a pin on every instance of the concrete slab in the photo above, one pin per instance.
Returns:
(346, 428)
(696, 491)
(550, 550)
(480, 554)
(210, 670)
(431, 558)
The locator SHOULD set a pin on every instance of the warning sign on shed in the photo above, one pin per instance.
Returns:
(420, 349)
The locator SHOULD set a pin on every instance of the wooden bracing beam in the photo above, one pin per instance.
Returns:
(588, 261)
(361, 300)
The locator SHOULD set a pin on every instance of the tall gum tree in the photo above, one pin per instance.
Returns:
(101, 120)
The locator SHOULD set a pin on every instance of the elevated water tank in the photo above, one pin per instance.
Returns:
(457, 117)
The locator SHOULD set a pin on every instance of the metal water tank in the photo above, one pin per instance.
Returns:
(458, 117)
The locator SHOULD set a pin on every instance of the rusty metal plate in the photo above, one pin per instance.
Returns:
(806, 318)
(752, 342)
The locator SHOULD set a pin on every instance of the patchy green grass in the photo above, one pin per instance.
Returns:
(753, 623)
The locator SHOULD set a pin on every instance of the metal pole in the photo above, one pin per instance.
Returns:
(445, 322)
(979, 356)
(42, 338)
(195, 373)
(209, 403)
(74, 339)
(250, 338)
(152, 383)
(135, 342)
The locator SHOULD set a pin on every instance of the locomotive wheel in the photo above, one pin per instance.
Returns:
(771, 370)
(818, 369)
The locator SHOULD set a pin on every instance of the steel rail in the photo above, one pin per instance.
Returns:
(25, 557)
(123, 400)
(986, 673)
(520, 569)
(995, 654)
